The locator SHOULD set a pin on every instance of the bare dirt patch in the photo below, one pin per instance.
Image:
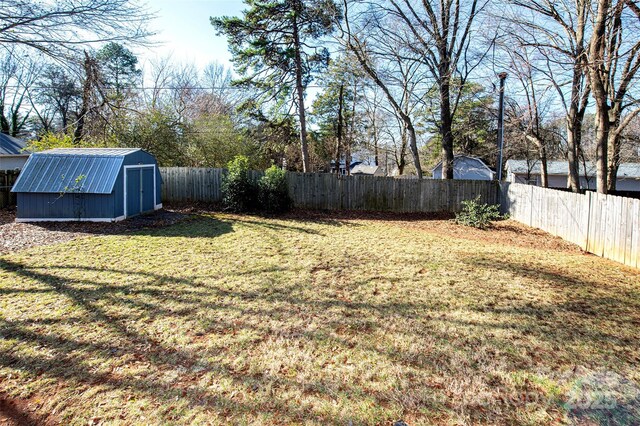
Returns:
(17, 236)
(508, 232)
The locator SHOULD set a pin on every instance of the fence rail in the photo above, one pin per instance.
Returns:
(326, 191)
(605, 225)
(7, 179)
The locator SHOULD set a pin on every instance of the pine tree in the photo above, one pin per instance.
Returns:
(273, 51)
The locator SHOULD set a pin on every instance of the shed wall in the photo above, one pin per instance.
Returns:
(140, 158)
(69, 206)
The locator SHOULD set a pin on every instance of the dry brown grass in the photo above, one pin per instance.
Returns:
(243, 320)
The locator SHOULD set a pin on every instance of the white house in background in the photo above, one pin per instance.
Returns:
(366, 169)
(12, 154)
(466, 167)
(528, 172)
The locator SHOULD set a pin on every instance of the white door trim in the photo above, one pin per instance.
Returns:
(155, 192)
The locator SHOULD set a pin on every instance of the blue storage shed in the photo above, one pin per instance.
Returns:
(87, 184)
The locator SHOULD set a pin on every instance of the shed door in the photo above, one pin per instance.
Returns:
(148, 201)
(134, 189)
(140, 190)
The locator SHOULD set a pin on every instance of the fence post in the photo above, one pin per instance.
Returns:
(586, 239)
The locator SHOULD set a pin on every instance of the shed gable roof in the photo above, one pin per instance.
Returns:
(56, 171)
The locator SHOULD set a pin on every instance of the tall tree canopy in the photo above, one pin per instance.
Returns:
(273, 50)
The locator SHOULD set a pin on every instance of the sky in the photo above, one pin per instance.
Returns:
(185, 33)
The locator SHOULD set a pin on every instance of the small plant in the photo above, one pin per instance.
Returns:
(76, 189)
(239, 191)
(274, 192)
(476, 214)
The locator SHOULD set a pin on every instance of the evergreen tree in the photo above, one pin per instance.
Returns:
(272, 48)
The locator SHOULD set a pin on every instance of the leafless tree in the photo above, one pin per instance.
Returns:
(614, 62)
(559, 31)
(18, 73)
(64, 27)
(528, 113)
(441, 34)
(388, 62)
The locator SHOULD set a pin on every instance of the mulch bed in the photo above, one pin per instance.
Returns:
(507, 232)
(17, 236)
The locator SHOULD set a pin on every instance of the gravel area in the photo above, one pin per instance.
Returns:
(17, 236)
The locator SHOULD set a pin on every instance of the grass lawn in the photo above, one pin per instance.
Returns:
(235, 320)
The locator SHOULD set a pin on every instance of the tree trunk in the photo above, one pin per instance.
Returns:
(597, 73)
(614, 160)
(446, 124)
(574, 136)
(414, 148)
(376, 154)
(78, 133)
(614, 146)
(300, 91)
(544, 174)
(339, 130)
(602, 136)
(542, 154)
(401, 162)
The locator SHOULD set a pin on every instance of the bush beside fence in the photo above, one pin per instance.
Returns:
(325, 191)
(605, 225)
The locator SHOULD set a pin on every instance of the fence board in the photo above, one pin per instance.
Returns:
(605, 225)
(331, 192)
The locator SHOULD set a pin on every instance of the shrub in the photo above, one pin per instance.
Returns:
(477, 214)
(239, 191)
(274, 192)
(52, 140)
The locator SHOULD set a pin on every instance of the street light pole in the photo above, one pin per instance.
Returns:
(503, 77)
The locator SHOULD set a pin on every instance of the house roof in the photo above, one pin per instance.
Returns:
(458, 156)
(11, 146)
(56, 170)
(364, 169)
(630, 170)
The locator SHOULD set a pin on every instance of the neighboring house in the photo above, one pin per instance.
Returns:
(528, 172)
(343, 169)
(358, 168)
(87, 184)
(12, 154)
(466, 167)
(365, 169)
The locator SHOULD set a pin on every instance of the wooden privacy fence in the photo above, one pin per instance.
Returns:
(605, 225)
(7, 179)
(329, 192)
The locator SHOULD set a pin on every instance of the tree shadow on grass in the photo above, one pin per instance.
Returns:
(342, 322)
(73, 354)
